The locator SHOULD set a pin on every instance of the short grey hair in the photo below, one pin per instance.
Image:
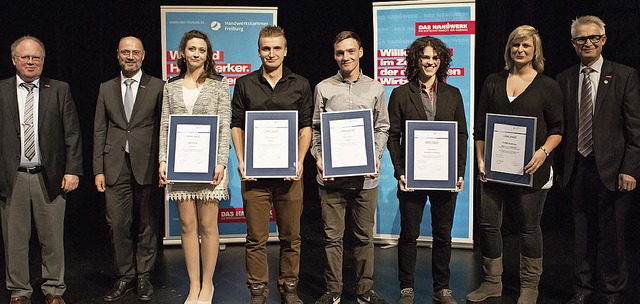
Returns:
(14, 45)
(585, 20)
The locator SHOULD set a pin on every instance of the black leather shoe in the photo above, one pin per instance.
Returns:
(119, 290)
(145, 289)
(579, 298)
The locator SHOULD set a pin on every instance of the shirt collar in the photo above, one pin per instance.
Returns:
(596, 66)
(339, 76)
(20, 81)
(135, 77)
(434, 85)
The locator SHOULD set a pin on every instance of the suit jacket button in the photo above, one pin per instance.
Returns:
(122, 148)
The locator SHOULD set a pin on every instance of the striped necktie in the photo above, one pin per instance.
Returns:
(585, 125)
(29, 142)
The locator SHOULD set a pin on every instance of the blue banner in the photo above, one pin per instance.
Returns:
(396, 26)
(233, 32)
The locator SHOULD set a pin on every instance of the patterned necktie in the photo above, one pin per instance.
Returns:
(29, 134)
(585, 130)
(128, 98)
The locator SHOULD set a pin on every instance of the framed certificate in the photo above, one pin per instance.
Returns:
(431, 154)
(193, 148)
(271, 144)
(509, 146)
(348, 147)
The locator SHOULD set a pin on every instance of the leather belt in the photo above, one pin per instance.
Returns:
(32, 170)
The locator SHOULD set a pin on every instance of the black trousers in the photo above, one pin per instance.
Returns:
(443, 205)
(132, 212)
(527, 205)
(599, 221)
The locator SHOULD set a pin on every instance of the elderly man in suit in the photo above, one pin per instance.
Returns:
(601, 159)
(40, 161)
(125, 164)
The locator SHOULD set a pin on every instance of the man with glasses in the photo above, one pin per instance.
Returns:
(601, 160)
(40, 161)
(125, 164)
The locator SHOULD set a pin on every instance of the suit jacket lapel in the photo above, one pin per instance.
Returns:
(43, 102)
(416, 100)
(12, 100)
(606, 77)
(574, 78)
(442, 106)
(142, 91)
(117, 97)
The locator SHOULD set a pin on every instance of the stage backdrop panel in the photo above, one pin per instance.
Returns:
(233, 32)
(396, 25)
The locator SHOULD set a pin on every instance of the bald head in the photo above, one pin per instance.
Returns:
(130, 55)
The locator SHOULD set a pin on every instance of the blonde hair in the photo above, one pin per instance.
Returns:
(520, 34)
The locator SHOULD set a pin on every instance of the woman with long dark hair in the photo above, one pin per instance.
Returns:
(198, 90)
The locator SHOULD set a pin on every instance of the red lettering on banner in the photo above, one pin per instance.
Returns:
(174, 55)
(393, 82)
(172, 68)
(392, 62)
(232, 80)
(233, 68)
(455, 72)
(445, 28)
(392, 53)
(217, 55)
(390, 72)
(236, 215)
(451, 51)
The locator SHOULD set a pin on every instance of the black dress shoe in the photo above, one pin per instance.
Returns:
(145, 289)
(119, 290)
(579, 298)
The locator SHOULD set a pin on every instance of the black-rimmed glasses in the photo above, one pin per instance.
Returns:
(582, 40)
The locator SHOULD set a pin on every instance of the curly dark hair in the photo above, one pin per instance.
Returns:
(209, 64)
(415, 51)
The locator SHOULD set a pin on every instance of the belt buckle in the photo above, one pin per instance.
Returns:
(32, 170)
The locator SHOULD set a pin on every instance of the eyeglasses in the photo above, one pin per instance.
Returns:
(32, 58)
(582, 40)
(128, 52)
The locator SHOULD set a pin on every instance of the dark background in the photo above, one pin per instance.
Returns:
(81, 40)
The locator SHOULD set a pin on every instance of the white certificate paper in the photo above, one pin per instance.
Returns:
(192, 148)
(270, 144)
(348, 147)
(508, 149)
(431, 155)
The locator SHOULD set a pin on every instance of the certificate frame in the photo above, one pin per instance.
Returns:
(331, 171)
(253, 171)
(192, 177)
(451, 127)
(491, 174)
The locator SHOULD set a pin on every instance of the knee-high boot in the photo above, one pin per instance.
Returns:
(492, 284)
(530, 272)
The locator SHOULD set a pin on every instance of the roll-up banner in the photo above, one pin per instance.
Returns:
(396, 25)
(233, 32)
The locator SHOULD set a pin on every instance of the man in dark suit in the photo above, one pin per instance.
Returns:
(40, 161)
(125, 164)
(601, 159)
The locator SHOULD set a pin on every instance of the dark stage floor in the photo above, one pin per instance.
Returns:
(89, 267)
